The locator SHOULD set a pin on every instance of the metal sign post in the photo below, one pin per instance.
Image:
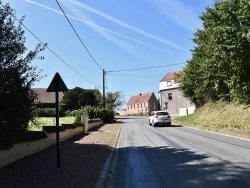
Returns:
(57, 85)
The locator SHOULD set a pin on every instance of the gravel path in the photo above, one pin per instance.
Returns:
(82, 161)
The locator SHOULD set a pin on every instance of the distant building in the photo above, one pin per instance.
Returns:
(44, 96)
(122, 111)
(142, 104)
(171, 98)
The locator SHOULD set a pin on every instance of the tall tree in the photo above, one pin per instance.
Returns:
(219, 68)
(16, 75)
(114, 100)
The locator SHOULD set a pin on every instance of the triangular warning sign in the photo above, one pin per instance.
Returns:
(57, 84)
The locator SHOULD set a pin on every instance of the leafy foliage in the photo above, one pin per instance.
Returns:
(95, 113)
(219, 68)
(113, 100)
(78, 97)
(17, 75)
(47, 112)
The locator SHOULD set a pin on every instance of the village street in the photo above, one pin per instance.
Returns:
(178, 157)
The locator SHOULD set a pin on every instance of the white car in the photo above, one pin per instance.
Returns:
(159, 117)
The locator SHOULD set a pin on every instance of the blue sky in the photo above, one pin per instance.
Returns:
(119, 35)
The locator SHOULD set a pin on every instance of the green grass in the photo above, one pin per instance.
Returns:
(221, 117)
(48, 121)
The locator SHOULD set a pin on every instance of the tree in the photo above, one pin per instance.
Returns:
(77, 98)
(113, 100)
(219, 68)
(16, 75)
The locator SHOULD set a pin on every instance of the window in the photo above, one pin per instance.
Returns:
(170, 97)
(144, 104)
(131, 107)
(137, 105)
(169, 83)
(128, 108)
(141, 105)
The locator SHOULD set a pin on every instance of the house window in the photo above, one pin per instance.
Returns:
(169, 83)
(137, 105)
(134, 106)
(128, 108)
(131, 107)
(144, 104)
(141, 105)
(170, 97)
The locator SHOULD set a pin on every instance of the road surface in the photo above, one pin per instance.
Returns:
(178, 157)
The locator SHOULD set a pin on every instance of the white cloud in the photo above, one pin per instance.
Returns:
(180, 14)
(121, 23)
(84, 19)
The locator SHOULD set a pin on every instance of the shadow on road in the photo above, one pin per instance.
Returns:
(170, 167)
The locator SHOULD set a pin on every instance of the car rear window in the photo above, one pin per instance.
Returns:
(162, 113)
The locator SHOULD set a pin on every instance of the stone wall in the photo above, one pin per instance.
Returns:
(43, 140)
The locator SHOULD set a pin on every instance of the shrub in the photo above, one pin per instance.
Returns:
(95, 113)
(47, 112)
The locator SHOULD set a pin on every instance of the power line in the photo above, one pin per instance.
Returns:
(78, 36)
(48, 47)
(134, 75)
(146, 68)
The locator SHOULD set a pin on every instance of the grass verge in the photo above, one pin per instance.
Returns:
(233, 119)
(48, 121)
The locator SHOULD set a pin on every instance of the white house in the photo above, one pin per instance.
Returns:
(171, 98)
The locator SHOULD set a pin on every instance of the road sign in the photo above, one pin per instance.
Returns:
(56, 85)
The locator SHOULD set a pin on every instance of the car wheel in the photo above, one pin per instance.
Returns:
(149, 123)
(169, 124)
(153, 123)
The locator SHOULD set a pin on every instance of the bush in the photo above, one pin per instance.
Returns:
(78, 115)
(47, 112)
(95, 113)
(106, 116)
(45, 105)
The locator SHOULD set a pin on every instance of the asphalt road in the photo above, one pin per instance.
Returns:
(178, 157)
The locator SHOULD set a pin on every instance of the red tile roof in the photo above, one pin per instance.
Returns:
(44, 96)
(168, 76)
(140, 98)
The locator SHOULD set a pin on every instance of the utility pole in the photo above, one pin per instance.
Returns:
(103, 74)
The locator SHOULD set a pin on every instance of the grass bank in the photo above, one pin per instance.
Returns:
(220, 117)
(48, 121)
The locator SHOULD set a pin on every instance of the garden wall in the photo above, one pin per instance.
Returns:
(40, 140)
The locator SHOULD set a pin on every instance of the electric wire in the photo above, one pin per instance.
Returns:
(78, 36)
(146, 68)
(134, 75)
(48, 47)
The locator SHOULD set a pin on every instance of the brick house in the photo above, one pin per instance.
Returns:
(142, 104)
(171, 98)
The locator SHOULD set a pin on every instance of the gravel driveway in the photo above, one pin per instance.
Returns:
(82, 161)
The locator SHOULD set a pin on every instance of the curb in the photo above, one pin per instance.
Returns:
(108, 164)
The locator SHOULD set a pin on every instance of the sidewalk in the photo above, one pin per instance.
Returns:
(82, 161)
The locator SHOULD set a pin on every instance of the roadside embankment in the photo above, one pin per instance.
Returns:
(228, 118)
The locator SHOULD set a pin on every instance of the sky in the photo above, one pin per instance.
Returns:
(135, 42)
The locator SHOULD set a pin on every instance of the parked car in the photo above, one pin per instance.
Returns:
(159, 118)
